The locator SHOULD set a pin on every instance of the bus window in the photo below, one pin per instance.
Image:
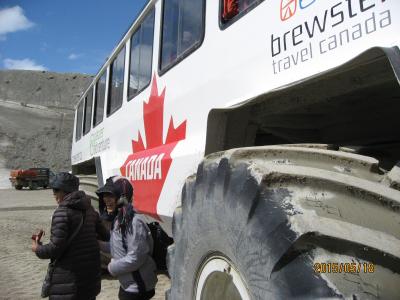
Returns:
(141, 56)
(100, 95)
(134, 65)
(88, 111)
(232, 10)
(116, 83)
(78, 125)
(182, 30)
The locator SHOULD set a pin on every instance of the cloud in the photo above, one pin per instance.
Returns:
(22, 64)
(74, 56)
(13, 19)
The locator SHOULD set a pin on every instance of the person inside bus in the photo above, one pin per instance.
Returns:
(130, 243)
(75, 229)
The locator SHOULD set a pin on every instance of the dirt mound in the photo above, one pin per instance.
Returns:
(36, 118)
(54, 90)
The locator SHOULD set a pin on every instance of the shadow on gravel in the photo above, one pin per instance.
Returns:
(106, 276)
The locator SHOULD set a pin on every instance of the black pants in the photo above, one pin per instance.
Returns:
(124, 295)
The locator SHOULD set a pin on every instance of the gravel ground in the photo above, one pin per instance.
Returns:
(21, 213)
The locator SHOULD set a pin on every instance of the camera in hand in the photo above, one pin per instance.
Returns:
(38, 236)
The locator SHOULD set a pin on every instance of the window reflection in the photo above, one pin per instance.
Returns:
(88, 111)
(116, 82)
(78, 132)
(141, 56)
(182, 29)
(99, 100)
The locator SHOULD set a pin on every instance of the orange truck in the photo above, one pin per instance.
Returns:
(32, 178)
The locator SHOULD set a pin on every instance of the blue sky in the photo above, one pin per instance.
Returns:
(62, 35)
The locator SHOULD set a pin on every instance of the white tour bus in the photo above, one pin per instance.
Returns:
(264, 136)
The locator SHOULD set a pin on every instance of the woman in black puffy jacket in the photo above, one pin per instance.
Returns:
(77, 271)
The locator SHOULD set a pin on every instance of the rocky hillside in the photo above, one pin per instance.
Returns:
(36, 118)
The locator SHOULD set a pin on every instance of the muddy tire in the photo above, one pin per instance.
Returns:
(287, 222)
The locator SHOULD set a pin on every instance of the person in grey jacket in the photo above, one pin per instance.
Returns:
(130, 245)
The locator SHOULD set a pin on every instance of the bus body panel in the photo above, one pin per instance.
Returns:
(257, 53)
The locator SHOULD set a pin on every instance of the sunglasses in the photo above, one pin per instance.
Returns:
(56, 190)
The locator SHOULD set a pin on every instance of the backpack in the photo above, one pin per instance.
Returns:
(161, 240)
(161, 243)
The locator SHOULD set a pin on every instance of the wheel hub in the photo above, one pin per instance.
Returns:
(219, 279)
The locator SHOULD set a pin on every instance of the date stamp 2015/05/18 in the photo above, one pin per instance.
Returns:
(331, 267)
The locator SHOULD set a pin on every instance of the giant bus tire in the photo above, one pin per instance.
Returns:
(283, 222)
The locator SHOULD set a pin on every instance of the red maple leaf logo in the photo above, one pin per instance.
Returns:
(147, 167)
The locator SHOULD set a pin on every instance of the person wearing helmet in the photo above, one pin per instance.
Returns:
(108, 209)
(75, 228)
(110, 200)
(131, 243)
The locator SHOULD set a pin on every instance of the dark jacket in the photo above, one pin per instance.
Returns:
(77, 272)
